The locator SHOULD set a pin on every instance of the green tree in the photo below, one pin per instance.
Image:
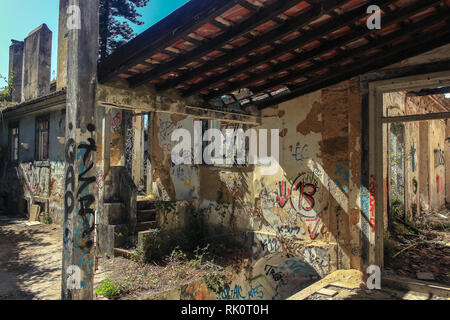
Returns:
(6, 92)
(115, 29)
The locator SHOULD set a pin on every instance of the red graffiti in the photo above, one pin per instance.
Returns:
(285, 194)
(307, 191)
(439, 183)
(315, 232)
(117, 120)
(167, 147)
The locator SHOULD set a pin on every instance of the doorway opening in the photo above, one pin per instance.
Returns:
(410, 164)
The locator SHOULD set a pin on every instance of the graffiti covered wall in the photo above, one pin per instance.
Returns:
(312, 200)
(29, 181)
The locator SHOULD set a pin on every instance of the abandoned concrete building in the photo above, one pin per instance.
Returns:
(362, 117)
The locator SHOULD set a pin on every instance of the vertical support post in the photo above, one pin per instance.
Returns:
(150, 154)
(80, 152)
(138, 155)
(103, 159)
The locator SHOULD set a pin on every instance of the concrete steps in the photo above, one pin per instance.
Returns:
(146, 215)
(146, 226)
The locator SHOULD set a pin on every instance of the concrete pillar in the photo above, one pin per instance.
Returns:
(15, 68)
(447, 161)
(81, 189)
(424, 166)
(150, 155)
(37, 59)
(103, 158)
(63, 33)
(138, 154)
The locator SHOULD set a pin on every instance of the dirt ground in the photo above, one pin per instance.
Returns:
(30, 261)
(30, 264)
(422, 247)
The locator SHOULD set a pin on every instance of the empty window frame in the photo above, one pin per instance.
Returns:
(42, 138)
(231, 152)
(14, 142)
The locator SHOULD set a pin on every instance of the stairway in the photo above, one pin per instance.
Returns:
(146, 224)
(146, 215)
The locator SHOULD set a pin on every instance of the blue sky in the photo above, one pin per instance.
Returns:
(19, 17)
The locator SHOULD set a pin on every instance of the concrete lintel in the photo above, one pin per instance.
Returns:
(140, 99)
(417, 117)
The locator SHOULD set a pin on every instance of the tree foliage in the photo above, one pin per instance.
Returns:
(6, 92)
(115, 29)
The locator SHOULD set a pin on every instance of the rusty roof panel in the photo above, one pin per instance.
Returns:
(266, 27)
(208, 31)
(298, 9)
(237, 14)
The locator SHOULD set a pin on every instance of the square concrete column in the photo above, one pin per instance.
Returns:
(15, 68)
(81, 191)
(37, 59)
(63, 37)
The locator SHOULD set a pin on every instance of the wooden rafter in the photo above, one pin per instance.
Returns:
(259, 18)
(358, 32)
(394, 55)
(355, 54)
(322, 41)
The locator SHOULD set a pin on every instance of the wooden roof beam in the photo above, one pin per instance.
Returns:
(408, 30)
(144, 45)
(392, 18)
(396, 54)
(269, 38)
(260, 17)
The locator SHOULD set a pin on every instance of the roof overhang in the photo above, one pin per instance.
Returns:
(264, 52)
(51, 102)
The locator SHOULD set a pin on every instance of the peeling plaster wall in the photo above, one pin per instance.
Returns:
(175, 182)
(309, 208)
(117, 138)
(313, 199)
(437, 174)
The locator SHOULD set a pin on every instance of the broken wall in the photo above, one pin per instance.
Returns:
(313, 199)
(308, 209)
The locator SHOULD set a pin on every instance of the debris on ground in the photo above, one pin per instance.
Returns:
(420, 250)
(136, 280)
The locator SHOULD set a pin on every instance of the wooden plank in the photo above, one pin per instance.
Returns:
(416, 285)
(34, 212)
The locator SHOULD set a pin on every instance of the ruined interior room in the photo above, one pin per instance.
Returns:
(354, 116)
